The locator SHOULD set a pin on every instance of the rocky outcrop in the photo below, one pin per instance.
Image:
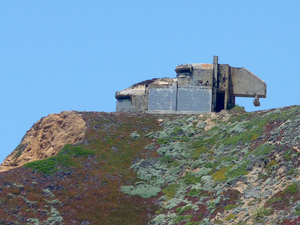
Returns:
(46, 137)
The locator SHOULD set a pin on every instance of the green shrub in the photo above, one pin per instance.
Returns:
(292, 188)
(170, 190)
(178, 209)
(270, 165)
(209, 165)
(161, 141)
(237, 109)
(181, 210)
(254, 201)
(254, 129)
(272, 200)
(75, 151)
(61, 161)
(186, 138)
(159, 211)
(260, 213)
(189, 223)
(228, 158)
(166, 159)
(220, 174)
(174, 164)
(177, 130)
(293, 172)
(50, 165)
(230, 217)
(263, 150)
(261, 176)
(288, 155)
(230, 206)
(190, 178)
(254, 137)
(218, 222)
(198, 152)
(211, 206)
(268, 211)
(198, 144)
(194, 192)
(179, 219)
(238, 171)
(214, 135)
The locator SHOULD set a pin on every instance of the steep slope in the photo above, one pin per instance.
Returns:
(46, 138)
(225, 168)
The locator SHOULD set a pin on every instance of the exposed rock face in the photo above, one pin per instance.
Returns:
(45, 138)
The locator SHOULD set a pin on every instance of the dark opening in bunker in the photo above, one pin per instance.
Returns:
(185, 71)
(123, 97)
(220, 101)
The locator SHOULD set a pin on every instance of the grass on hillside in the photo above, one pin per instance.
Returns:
(61, 161)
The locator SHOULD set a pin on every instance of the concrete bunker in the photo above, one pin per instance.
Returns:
(197, 88)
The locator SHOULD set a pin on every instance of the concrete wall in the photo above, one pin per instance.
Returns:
(203, 75)
(124, 105)
(137, 102)
(161, 99)
(184, 99)
(194, 99)
(246, 84)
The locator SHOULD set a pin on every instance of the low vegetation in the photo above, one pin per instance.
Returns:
(235, 167)
(61, 162)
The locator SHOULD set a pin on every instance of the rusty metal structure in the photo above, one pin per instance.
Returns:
(197, 88)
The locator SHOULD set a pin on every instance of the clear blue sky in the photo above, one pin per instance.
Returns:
(74, 55)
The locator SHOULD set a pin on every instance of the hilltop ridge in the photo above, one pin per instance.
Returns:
(232, 167)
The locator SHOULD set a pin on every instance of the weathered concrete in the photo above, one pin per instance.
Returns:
(246, 84)
(160, 99)
(198, 87)
(124, 105)
(194, 99)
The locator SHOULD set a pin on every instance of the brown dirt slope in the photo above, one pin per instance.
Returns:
(46, 137)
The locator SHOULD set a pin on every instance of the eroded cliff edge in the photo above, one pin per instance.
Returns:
(45, 138)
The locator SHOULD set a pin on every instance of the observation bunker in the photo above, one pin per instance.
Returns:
(197, 88)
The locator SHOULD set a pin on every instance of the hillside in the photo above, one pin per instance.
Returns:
(231, 167)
